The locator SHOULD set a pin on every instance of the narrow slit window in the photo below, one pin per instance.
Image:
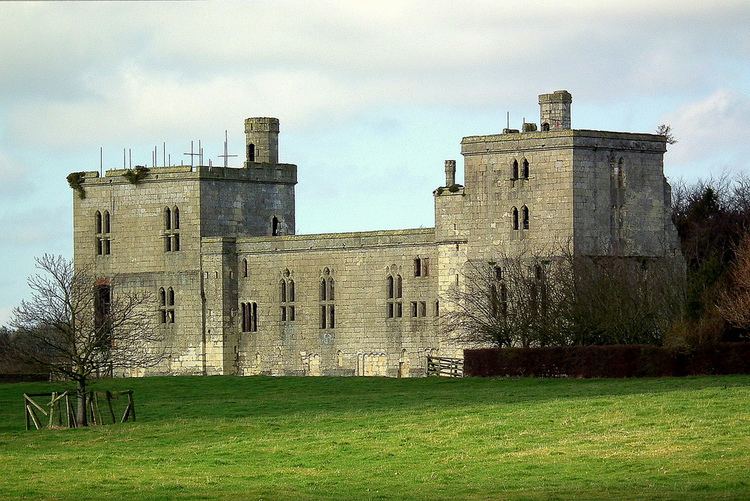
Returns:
(525, 214)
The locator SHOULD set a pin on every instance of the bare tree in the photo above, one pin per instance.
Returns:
(80, 327)
(510, 302)
(666, 131)
(734, 304)
(532, 300)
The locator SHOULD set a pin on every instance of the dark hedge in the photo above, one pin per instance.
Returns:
(608, 361)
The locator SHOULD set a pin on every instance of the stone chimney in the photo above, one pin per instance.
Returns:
(450, 172)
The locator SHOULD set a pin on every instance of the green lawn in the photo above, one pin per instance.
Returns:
(372, 438)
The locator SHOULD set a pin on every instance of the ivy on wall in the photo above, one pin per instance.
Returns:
(74, 181)
(134, 176)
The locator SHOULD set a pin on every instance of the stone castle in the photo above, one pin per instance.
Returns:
(239, 292)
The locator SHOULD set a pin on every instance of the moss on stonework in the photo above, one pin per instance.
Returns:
(134, 176)
(74, 181)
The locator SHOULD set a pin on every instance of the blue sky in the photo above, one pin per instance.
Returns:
(372, 97)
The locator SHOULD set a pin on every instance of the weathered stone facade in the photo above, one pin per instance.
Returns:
(251, 297)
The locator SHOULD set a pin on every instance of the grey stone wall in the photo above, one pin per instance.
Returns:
(589, 192)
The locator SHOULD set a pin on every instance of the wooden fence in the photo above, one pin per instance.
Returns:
(60, 411)
(447, 367)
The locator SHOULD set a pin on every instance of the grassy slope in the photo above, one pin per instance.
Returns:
(371, 438)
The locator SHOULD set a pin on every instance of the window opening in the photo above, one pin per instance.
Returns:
(287, 298)
(394, 308)
(171, 229)
(525, 212)
(327, 308)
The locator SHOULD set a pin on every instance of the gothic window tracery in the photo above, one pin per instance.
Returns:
(326, 302)
(286, 290)
(171, 229)
(103, 238)
(249, 317)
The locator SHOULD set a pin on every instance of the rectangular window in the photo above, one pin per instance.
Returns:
(389, 310)
(413, 308)
(322, 316)
(422, 309)
(399, 310)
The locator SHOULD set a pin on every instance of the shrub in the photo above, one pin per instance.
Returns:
(134, 176)
(74, 181)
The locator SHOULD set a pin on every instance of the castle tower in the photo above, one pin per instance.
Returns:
(261, 140)
(554, 110)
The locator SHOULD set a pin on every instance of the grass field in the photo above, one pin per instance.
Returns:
(372, 438)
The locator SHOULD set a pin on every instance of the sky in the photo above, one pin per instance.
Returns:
(372, 96)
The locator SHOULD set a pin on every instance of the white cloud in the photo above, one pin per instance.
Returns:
(709, 130)
(100, 72)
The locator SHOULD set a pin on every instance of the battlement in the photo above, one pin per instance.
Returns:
(562, 138)
(258, 172)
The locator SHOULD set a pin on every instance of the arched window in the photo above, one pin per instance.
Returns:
(515, 218)
(394, 307)
(545, 127)
(250, 319)
(514, 169)
(525, 170)
(327, 308)
(244, 268)
(525, 216)
(171, 229)
(103, 239)
(251, 152)
(166, 305)
(287, 298)
(162, 305)
(275, 226)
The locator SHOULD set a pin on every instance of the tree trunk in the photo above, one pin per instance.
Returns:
(81, 393)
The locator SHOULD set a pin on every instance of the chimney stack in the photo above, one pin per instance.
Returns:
(450, 172)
